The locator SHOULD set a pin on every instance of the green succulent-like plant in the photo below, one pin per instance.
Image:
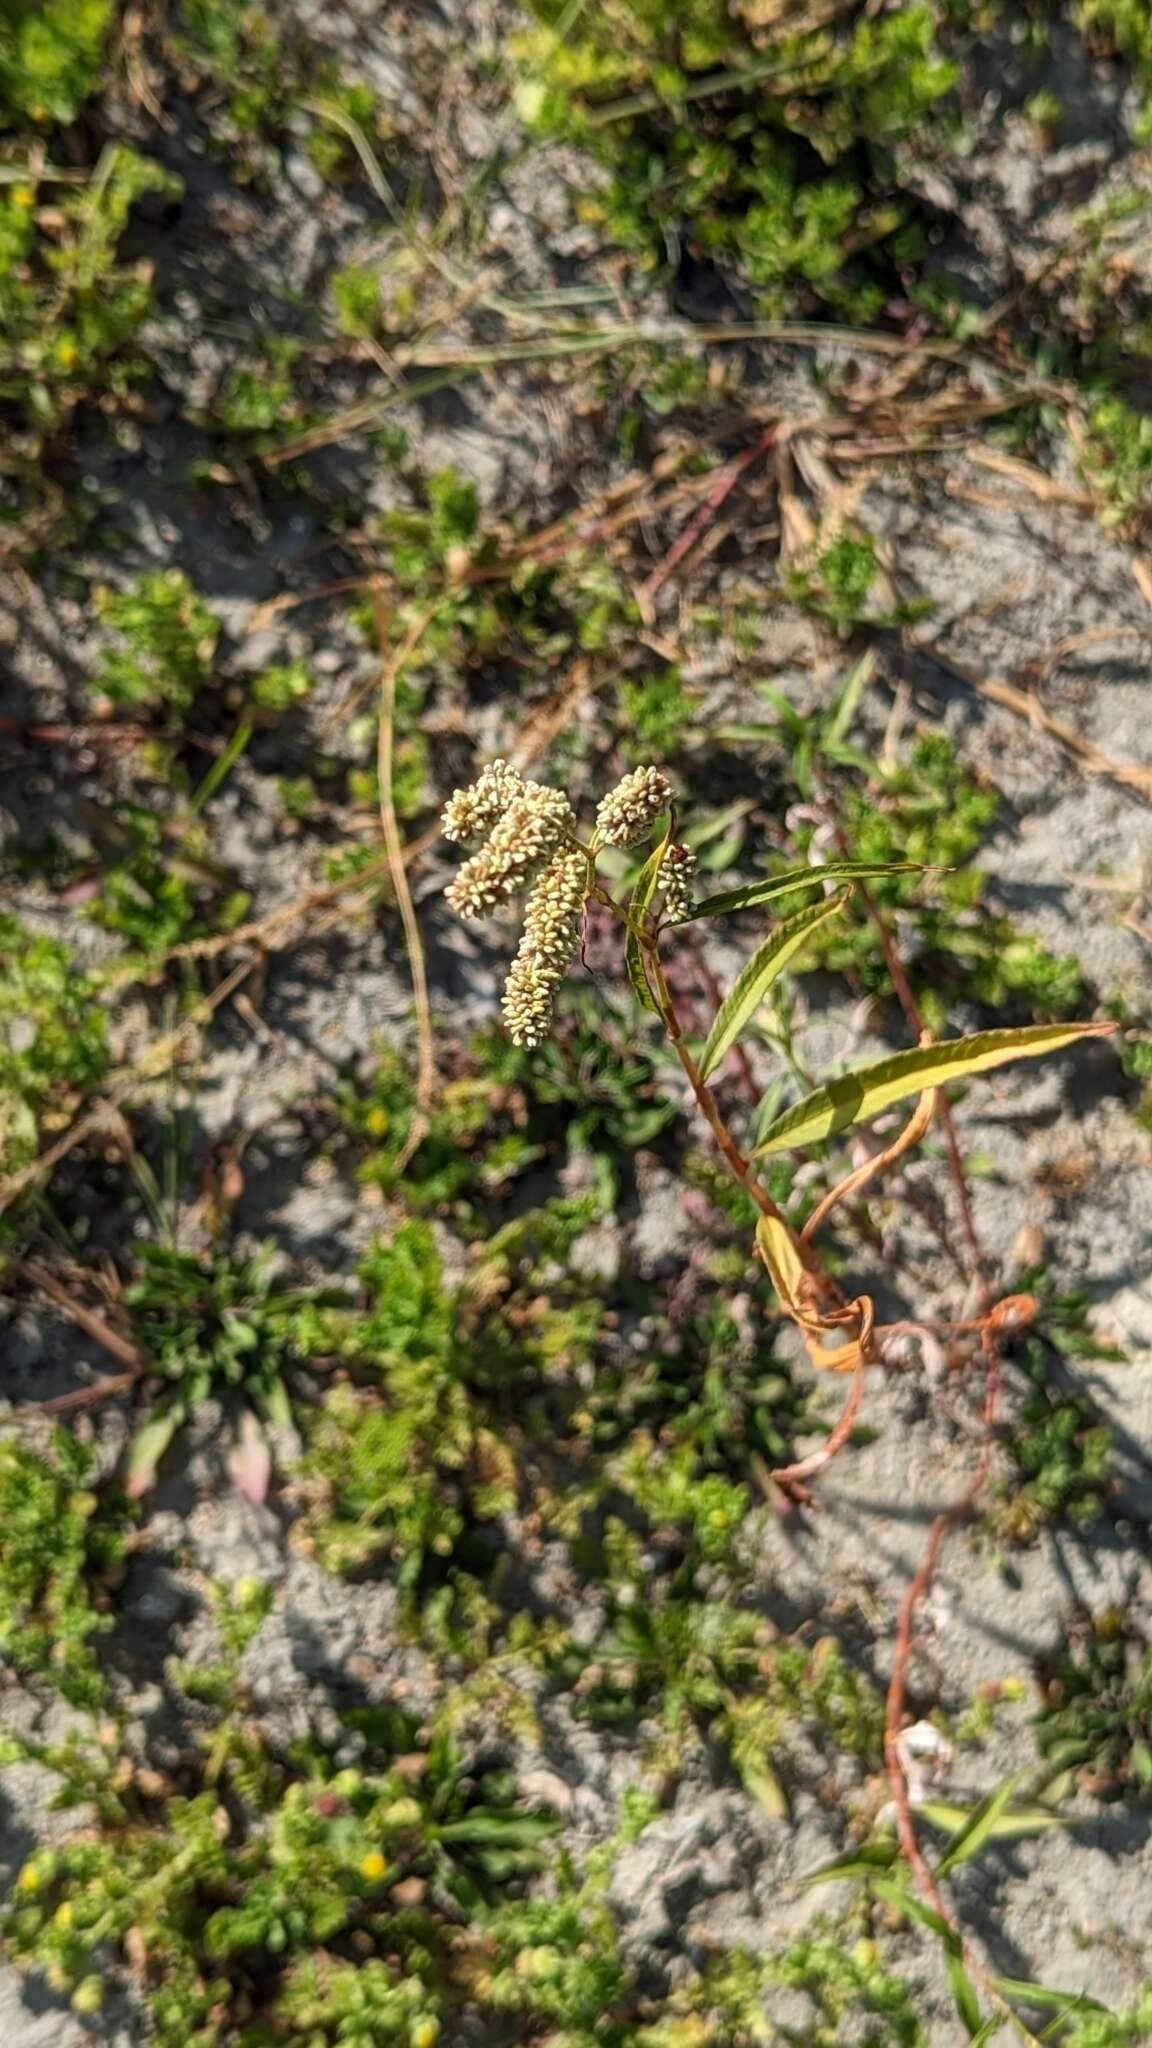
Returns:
(255, 1918)
(762, 141)
(53, 1039)
(61, 1545)
(50, 57)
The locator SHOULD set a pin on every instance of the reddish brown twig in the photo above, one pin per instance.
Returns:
(804, 1468)
(703, 517)
(902, 1653)
(707, 1103)
(94, 1326)
(852, 1183)
(87, 1397)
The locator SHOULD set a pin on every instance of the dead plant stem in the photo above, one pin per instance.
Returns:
(391, 664)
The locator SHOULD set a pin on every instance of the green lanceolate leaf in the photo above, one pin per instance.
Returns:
(977, 1828)
(1045, 1998)
(801, 878)
(1002, 1826)
(856, 1098)
(765, 966)
(898, 1895)
(638, 910)
(863, 1862)
(148, 1447)
(993, 1820)
(964, 1997)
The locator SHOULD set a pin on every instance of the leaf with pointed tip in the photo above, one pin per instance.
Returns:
(977, 1828)
(148, 1447)
(780, 1254)
(1048, 2000)
(250, 1461)
(771, 886)
(862, 1862)
(638, 909)
(858, 1097)
(766, 965)
(964, 1997)
(1004, 1825)
(994, 1819)
(898, 1895)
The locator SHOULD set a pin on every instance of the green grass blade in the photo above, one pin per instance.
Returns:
(964, 1997)
(863, 1862)
(766, 965)
(858, 1097)
(1005, 1827)
(905, 1901)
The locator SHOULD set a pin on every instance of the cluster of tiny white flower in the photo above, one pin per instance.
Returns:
(628, 812)
(550, 936)
(677, 873)
(469, 813)
(530, 830)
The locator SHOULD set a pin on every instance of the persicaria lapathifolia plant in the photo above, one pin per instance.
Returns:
(533, 843)
(533, 846)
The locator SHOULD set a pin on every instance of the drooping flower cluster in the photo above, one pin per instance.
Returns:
(528, 846)
(550, 937)
(469, 813)
(529, 835)
(525, 823)
(629, 811)
(677, 873)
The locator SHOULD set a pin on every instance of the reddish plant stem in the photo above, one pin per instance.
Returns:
(804, 1468)
(917, 1590)
(911, 1008)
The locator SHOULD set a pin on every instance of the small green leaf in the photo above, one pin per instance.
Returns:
(638, 909)
(977, 1828)
(1048, 2000)
(990, 2027)
(148, 1447)
(1024, 1820)
(801, 878)
(703, 830)
(1140, 1758)
(857, 1097)
(905, 1902)
(855, 683)
(763, 1784)
(964, 1996)
(766, 965)
(862, 1862)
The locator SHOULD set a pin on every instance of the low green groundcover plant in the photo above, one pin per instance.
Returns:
(61, 1543)
(766, 142)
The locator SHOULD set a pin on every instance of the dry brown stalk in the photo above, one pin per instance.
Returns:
(391, 665)
(85, 1318)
